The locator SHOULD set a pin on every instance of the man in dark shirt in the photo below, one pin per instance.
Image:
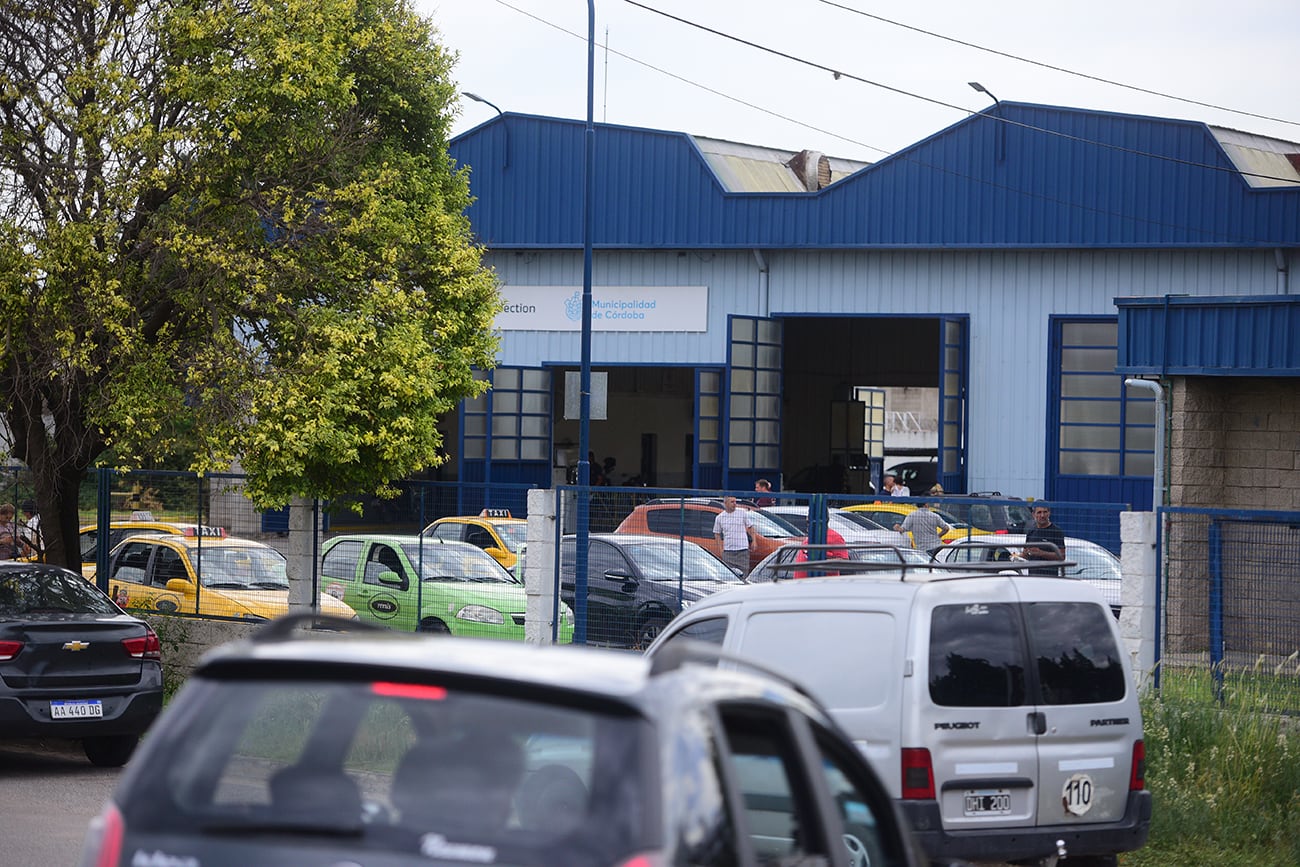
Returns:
(1044, 531)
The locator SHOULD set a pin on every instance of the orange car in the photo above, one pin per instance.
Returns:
(692, 520)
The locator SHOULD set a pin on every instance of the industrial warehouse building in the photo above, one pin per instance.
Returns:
(759, 313)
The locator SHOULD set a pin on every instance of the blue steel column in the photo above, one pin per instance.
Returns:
(584, 410)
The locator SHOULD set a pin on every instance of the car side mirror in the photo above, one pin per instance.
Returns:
(616, 575)
(390, 577)
(179, 585)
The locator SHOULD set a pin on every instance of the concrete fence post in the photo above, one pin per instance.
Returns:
(539, 568)
(1141, 573)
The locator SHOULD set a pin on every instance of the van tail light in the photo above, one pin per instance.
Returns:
(918, 775)
(146, 646)
(103, 847)
(9, 649)
(1137, 780)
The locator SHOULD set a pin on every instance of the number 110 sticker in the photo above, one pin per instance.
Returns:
(1077, 794)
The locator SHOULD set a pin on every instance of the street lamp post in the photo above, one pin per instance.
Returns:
(584, 404)
(504, 127)
(1002, 124)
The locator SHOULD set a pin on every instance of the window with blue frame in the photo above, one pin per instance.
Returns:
(1104, 428)
(513, 420)
(754, 407)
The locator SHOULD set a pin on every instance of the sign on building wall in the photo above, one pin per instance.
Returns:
(613, 308)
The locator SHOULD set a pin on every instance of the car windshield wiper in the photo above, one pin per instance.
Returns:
(226, 585)
(269, 585)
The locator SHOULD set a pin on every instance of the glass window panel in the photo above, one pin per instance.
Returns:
(534, 450)
(1090, 463)
(742, 432)
(708, 453)
(505, 449)
(768, 382)
(505, 426)
(475, 426)
(742, 329)
(534, 426)
(475, 449)
(1090, 385)
(505, 402)
(951, 464)
(769, 357)
(742, 458)
(767, 433)
(742, 381)
(742, 406)
(952, 408)
(767, 456)
(1089, 437)
(537, 380)
(1140, 465)
(1140, 438)
(1098, 411)
(506, 378)
(742, 355)
(710, 381)
(536, 402)
(708, 429)
(708, 405)
(1141, 411)
(952, 383)
(1095, 360)
(769, 331)
(1090, 333)
(477, 403)
(952, 358)
(767, 407)
(951, 331)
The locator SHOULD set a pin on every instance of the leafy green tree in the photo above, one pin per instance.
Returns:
(236, 219)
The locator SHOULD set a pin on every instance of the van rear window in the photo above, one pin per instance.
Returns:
(980, 655)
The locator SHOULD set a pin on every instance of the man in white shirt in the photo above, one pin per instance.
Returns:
(734, 529)
(894, 489)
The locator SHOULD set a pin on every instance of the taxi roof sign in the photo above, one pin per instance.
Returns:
(495, 513)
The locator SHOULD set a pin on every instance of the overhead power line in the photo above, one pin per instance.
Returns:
(839, 73)
(1050, 66)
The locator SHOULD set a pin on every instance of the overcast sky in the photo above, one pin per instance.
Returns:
(1243, 55)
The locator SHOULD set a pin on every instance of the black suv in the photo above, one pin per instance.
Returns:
(388, 748)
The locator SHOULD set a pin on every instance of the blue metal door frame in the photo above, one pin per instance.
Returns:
(954, 407)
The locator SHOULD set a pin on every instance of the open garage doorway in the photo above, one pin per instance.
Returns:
(648, 430)
(871, 386)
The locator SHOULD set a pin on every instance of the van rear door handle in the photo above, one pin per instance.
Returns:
(1038, 722)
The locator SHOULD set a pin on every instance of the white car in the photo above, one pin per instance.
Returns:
(853, 530)
(1089, 561)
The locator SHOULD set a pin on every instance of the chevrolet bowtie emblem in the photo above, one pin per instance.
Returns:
(76, 645)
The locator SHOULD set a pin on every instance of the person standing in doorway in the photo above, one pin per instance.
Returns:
(734, 529)
(926, 527)
(763, 488)
(1044, 531)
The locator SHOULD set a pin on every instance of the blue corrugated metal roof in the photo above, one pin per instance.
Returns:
(1257, 335)
(1059, 177)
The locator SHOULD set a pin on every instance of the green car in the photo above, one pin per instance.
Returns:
(460, 588)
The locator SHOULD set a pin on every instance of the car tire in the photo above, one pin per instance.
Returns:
(109, 751)
(434, 626)
(648, 631)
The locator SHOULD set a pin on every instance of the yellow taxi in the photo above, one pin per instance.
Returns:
(887, 514)
(139, 522)
(174, 573)
(496, 531)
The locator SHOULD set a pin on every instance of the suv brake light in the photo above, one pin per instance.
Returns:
(104, 838)
(1137, 780)
(644, 859)
(9, 649)
(146, 646)
(918, 775)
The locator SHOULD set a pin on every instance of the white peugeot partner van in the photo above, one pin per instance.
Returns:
(997, 707)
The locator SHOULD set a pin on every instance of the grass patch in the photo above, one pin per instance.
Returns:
(1223, 769)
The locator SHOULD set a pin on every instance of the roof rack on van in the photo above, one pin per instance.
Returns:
(681, 651)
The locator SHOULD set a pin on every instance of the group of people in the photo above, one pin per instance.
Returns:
(20, 540)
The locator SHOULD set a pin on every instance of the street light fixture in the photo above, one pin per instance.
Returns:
(997, 112)
(505, 127)
(975, 86)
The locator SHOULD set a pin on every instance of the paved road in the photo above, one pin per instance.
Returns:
(49, 792)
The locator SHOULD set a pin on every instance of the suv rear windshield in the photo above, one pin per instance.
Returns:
(401, 767)
(980, 655)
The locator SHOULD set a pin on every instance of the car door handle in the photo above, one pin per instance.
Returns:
(1038, 722)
